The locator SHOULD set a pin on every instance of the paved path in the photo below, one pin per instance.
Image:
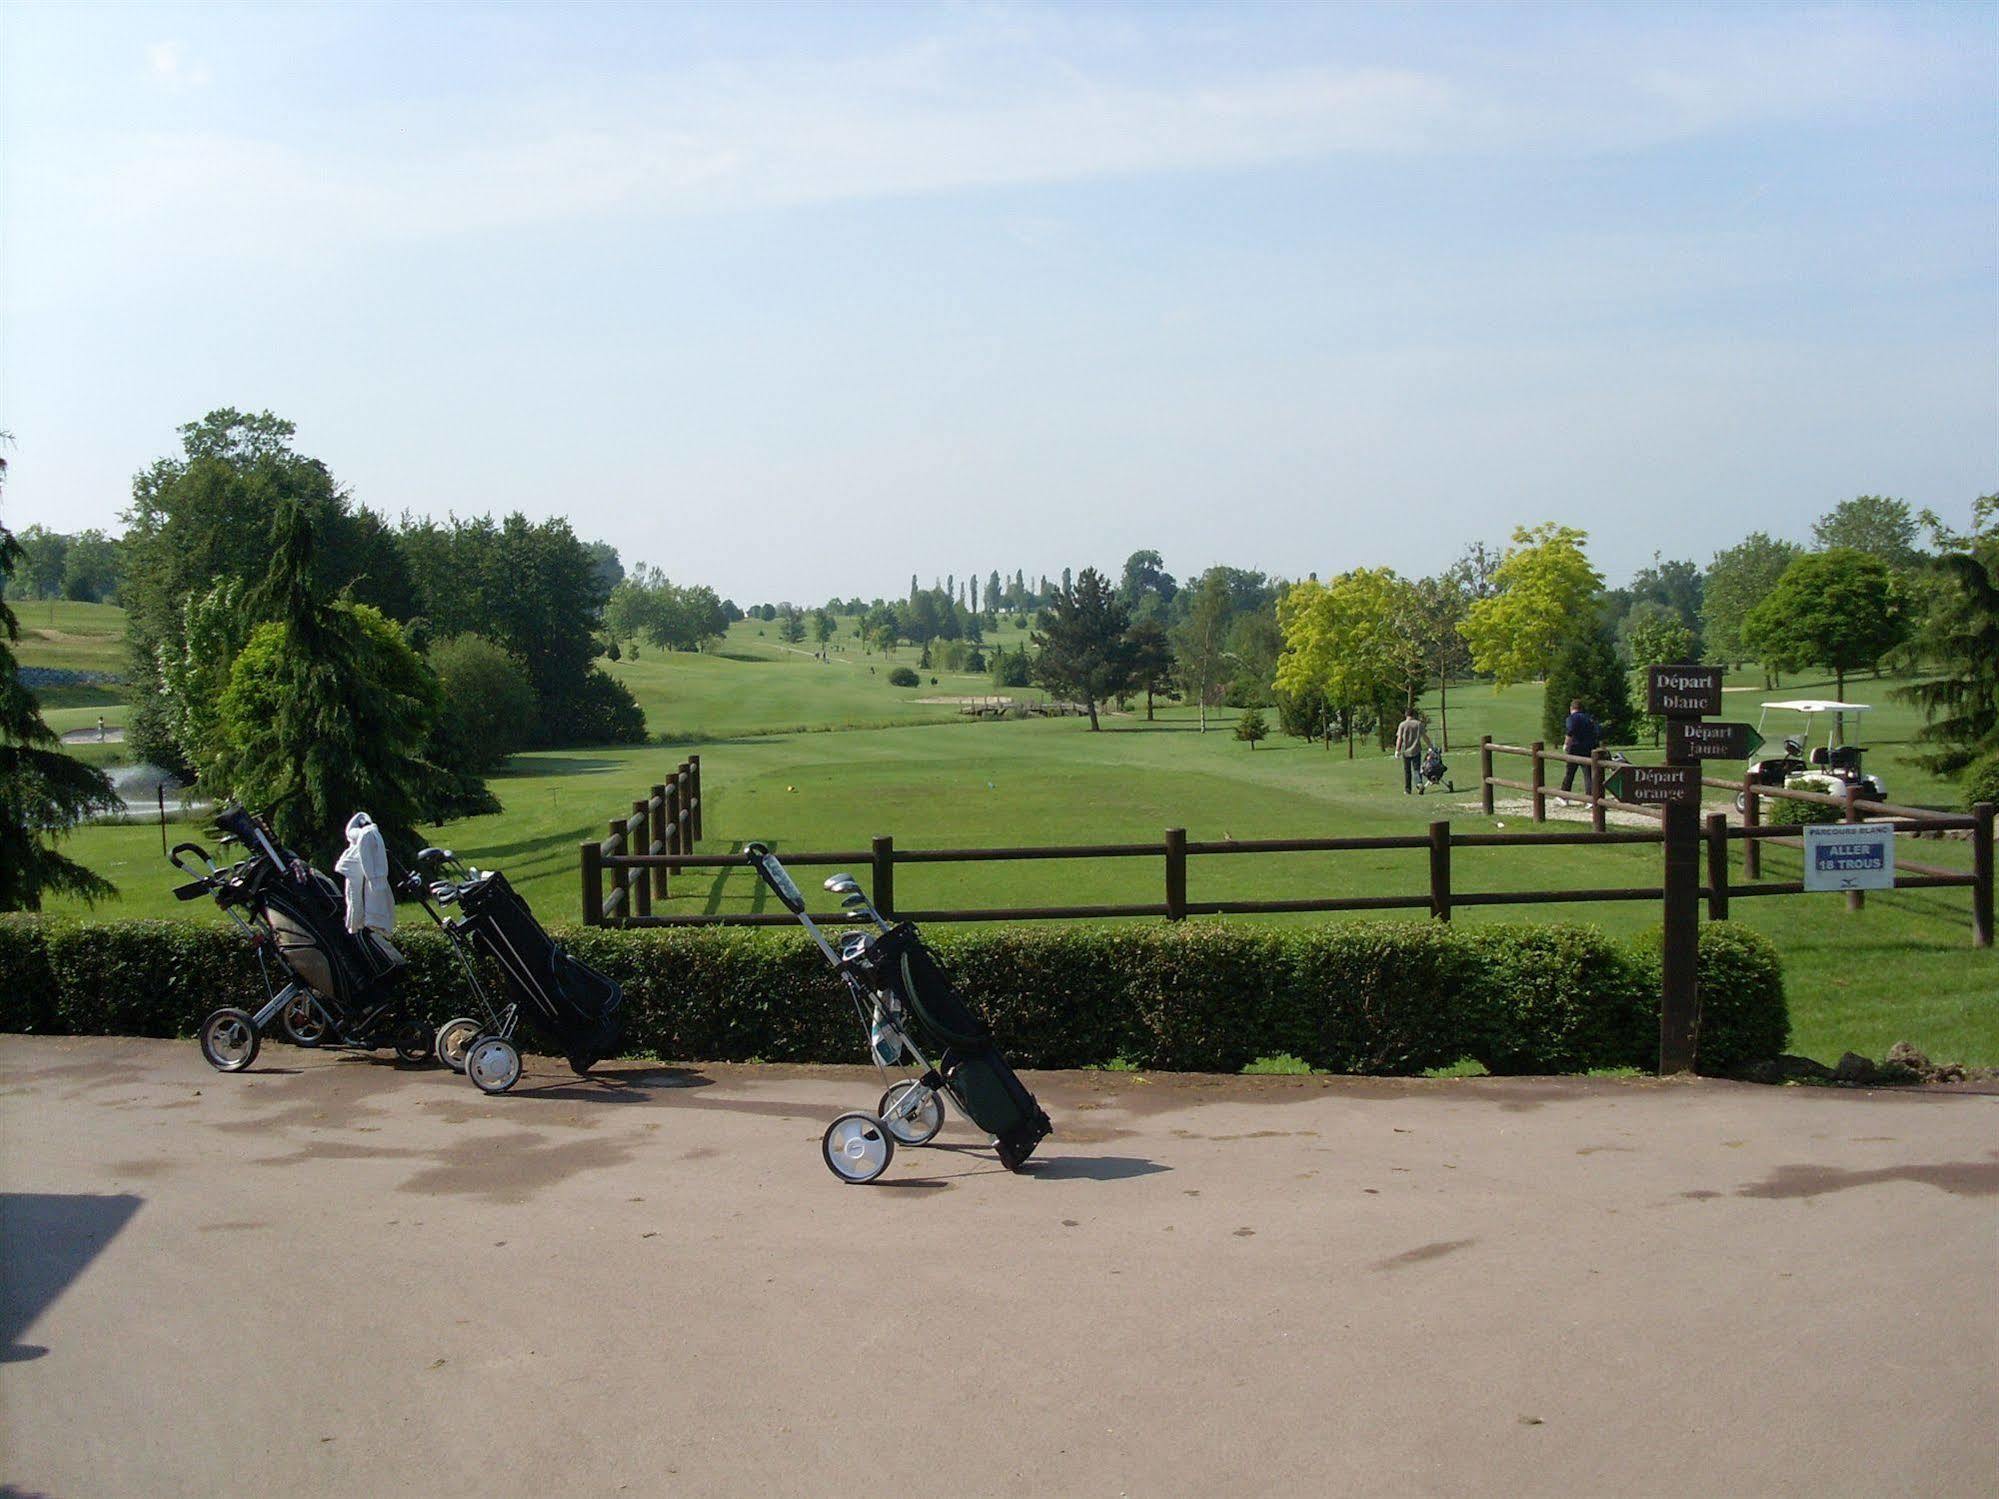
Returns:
(333, 1276)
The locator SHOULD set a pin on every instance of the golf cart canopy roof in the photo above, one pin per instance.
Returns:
(1819, 705)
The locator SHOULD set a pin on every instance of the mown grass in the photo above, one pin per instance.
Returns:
(805, 755)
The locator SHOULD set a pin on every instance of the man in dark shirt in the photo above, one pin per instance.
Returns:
(1579, 736)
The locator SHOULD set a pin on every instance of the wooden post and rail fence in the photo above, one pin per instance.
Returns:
(626, 871)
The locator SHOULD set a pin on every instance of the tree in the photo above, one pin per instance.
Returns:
(43, 555)
(1251, 727)
(1874, 524)
(1656, 635)
(1200, 642)
(44, 793)
(1349, 642)
(91, 568)
(1960, 702)
(487, 704)
(1436, 611)
(1737, 580)
(1545, 591)
(1840, 609)
(1255, 641)
(1151, 661)
(1589, 667)
(790, 625)
(1147, 587)
(1081, 642)
(823, 626)
(327, 712)
(1678, 586)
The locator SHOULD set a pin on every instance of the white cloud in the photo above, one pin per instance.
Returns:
(170, 66)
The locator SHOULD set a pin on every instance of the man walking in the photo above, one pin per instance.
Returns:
(1409, 737)
(1579, 736)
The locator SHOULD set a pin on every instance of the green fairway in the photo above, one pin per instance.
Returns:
(809, 755)
(77, 637)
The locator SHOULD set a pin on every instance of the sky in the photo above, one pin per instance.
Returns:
(798, 301)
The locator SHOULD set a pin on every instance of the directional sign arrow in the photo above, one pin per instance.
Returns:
(1654, 784)
(1696, 739)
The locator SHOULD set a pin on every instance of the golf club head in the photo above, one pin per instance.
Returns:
(841, 884)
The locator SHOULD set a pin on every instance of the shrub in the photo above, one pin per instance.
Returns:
(1981, 780)
(605, 712)
(1783, 812)
(1390, 998)
(902, 676)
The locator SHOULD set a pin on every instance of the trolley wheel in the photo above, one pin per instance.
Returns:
(229, 1039)
(303, 1022)
(455, 1038)
(413, 1042)
(1742, 801)
(857, 1147)
(920, 1125)
(493, 1063)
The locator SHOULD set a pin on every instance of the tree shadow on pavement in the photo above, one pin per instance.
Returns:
(51, 1239)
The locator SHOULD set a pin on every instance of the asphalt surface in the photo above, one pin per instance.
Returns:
(332, 1276)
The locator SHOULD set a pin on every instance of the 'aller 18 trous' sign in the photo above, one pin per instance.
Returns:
(1683, 691)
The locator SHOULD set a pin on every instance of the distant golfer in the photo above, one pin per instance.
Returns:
(1579, 736)
(1410, 737)
(100, 728)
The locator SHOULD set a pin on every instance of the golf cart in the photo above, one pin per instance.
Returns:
(1834, 760)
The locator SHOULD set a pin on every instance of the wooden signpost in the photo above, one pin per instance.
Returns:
(1682, 695)
(1693, 739)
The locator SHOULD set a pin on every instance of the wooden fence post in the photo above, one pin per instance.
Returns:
(1540, 780)
(1752, 818)
(642, 886)
(1717, 866)
(1981, 875)
(1485, 774)
(684, 783)
(1598, 818)
(1176, 874)
(592, 860)
(1855, 899)
(669, 814)
(1440, 870)
(620, 876)
(884, 877)
(694, 791)
(656, 838)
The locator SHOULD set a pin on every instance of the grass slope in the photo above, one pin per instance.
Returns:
(809, 755)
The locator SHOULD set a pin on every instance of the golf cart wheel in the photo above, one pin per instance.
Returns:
(857, 1147)
(229, 1040)
(454, 1039)
(920, 1125)
(303, 1022)
(493, 1063)
(414, 1043)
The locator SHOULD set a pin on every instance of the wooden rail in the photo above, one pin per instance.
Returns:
(661, 832)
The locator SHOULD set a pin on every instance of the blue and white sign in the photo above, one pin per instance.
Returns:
(1842, 856)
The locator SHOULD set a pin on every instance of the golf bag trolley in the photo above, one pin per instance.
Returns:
(564, 1000)
(328, 982)
(912, 1013)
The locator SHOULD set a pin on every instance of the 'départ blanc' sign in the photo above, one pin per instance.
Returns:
(1849, 856)
(1683, 691)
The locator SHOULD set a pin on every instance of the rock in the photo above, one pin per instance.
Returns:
(1902, 1054)
(1801, 1070)
(1852, 1067)
(1898, 1072)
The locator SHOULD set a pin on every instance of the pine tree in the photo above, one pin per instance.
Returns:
(43, 792)
(1082, 643)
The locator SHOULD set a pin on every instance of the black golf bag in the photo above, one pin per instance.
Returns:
(566, 1001)
(944, 1026)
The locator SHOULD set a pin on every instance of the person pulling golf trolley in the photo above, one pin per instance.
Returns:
(908, 1005)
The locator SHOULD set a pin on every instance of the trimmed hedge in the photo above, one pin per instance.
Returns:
(1373, 997)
